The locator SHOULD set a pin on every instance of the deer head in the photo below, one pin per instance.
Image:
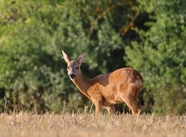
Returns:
(73, 66)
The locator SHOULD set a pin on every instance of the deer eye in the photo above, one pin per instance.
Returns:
(77, 67)
(67, 67)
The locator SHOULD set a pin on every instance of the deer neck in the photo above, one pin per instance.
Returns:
(82, 83)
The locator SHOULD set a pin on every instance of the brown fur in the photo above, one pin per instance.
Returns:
(121, 85)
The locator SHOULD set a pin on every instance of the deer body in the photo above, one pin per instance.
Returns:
(121, 85)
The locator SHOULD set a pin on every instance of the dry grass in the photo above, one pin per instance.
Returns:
(88, 125)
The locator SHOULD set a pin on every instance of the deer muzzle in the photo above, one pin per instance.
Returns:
(72, 76)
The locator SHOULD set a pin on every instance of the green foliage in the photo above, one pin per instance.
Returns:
(160, 55)
(147, 35)
(33, 33)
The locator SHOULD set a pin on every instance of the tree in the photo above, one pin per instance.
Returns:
(33, 33)
(160, 55)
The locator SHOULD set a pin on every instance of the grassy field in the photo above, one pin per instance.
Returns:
(88, 125)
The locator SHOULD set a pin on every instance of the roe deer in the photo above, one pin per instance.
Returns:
(121, 85)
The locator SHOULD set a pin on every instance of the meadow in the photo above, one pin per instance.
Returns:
(24, 124)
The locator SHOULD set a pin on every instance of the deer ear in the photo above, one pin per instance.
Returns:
(81, 58)
(65, 56)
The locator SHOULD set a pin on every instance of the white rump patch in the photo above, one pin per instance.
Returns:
(137, 83)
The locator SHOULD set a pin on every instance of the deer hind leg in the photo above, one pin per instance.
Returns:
(136, 99)
(132, 104)
(131, 101)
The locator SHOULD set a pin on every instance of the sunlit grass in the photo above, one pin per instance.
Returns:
(88, 125)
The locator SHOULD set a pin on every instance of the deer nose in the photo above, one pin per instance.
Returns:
(72, 76)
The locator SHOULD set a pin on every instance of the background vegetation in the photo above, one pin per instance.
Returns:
(148, 35)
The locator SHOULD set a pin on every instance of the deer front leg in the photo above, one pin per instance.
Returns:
(98, 104)
(98, 108)
(110, 109)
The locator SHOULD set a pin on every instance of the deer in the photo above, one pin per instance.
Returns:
(106, 90)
